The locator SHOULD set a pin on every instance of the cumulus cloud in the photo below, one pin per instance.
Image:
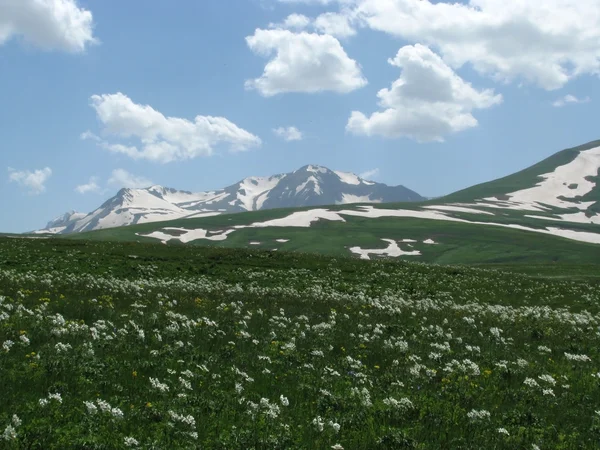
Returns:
(569, 99)
(427, 102)
(335, 24)
(163, 139)
(124, 179)
(369, 174)
(48, 24)
(34, 181)
(338, 25)
(545, 43)
(303, 62)
(293, 22)
(288, 133)
(90, 186)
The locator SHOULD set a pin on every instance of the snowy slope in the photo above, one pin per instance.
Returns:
(565, 183)
(311, 185)
(561, 187)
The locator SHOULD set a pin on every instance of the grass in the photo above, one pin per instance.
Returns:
(132, 345)
(457, 242)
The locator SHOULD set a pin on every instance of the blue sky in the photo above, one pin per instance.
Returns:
(477, 93)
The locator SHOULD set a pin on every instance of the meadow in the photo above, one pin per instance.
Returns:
(110, 345)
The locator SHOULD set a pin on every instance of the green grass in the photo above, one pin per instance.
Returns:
(457, 242)
(408, 350)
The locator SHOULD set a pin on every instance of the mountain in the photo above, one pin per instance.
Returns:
(61, 223)
(566, 184)
(310, 185)
(545, 213)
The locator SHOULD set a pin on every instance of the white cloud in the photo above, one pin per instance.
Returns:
(335, 24)
(338, 25)
(48, 24)
(546, 43)
(569, 99)
(288, 133)
(90, 186)
(426, 103)
(122, 178)
(369, 174)
(293, 22)
(303, 62)
(163, 139)
(33, 181)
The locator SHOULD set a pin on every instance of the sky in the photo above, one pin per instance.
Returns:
(197, 95)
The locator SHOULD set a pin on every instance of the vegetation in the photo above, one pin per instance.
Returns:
(455, 242)
(131, 345)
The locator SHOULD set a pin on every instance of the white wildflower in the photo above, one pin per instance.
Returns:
(9, 433)
(91, 408)
(580, 358)
(475, 415)
(131, 442)
(56, 397)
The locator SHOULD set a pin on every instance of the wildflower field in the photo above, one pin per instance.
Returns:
(127, 345)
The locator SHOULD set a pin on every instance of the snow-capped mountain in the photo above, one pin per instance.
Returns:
(310, 185)
(61, 223)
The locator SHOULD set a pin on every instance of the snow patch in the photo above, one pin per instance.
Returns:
(255, 189)
(316, 169)
(558, 184)
(347, 177)
(458, 209)
(578, 217)
(54, 230)
(351, 198)
(203, 214)
(186, 236)
(493, 202)
(392, 250)
(315, 182)
(298, 219)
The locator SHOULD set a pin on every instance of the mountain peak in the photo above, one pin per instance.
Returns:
(311, 185)
(313, 168)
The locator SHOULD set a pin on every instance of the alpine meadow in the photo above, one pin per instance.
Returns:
(300, 225)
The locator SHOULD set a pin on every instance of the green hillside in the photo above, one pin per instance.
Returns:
(521, 180)
(455, 242)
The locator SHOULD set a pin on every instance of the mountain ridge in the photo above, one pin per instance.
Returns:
(310, 185)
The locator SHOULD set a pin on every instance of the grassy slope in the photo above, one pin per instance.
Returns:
(458, 242)
(123, 259)
(520, 180)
